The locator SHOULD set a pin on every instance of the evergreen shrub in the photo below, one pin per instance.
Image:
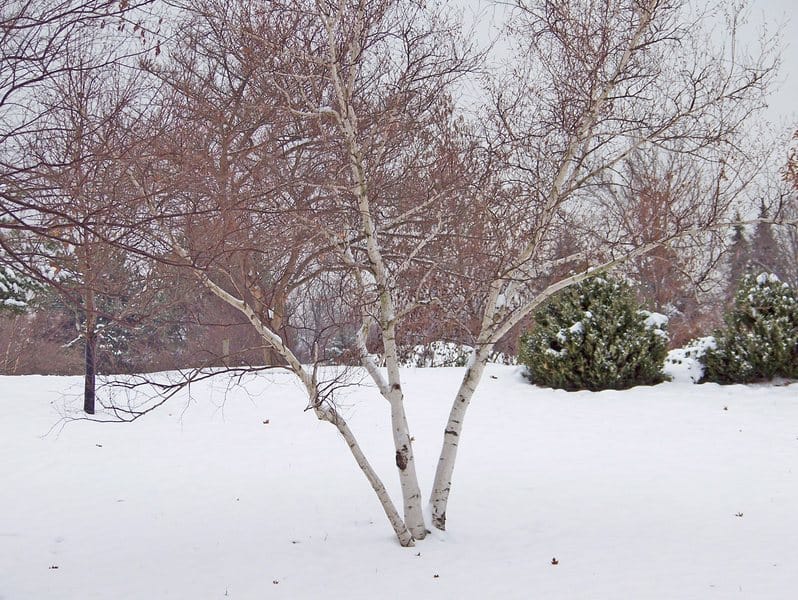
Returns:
(16, 291)
(594, 336)
(760, 339)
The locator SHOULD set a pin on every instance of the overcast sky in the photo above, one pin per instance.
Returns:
(783, 14)
(774, 14)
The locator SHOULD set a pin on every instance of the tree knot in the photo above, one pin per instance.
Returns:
(401, 460)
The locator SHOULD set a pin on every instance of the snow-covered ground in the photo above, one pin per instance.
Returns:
(676, 491)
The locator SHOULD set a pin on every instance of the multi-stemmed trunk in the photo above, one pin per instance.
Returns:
(327, 412)
(403, 533)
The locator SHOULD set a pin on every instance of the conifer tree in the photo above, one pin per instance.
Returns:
(766, 252)
(595, 336)
(760, 340)
(739, 256)
(16, 290)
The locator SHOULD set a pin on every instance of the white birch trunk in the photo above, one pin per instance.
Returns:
(405, 459)
(326, 413)
(402, 532)
(403, 446)
(323, 412)
(451, 438)
(498, 319)
(347, 120)
(406, 464)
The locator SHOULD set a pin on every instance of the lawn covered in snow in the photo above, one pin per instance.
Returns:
(676, 491)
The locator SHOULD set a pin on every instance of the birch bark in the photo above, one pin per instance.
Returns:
(323, 411)
(343, 79)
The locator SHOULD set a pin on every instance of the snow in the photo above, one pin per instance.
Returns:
(240, 494)
(655, 320)
(439, 354)
(765, 278)
(447, 354)
(577, 329)
(683, 364)
(14, 302)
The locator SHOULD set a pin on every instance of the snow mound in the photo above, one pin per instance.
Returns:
(683, 365)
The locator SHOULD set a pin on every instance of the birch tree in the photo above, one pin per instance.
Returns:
(331, 127)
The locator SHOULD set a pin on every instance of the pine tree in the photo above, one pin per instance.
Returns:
(595, 336)
(760, 340)
(766, 252)
(739, 256)
(17, 291)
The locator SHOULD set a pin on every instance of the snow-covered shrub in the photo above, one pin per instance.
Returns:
(436, 354)
(595, 336)
(760, 339)
(16, 290)
(685, 365)
(446, 354)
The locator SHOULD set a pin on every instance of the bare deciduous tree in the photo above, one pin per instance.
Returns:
(303, 150)
(410, 208)
(68, 190)
(36, 41)
(298, 127)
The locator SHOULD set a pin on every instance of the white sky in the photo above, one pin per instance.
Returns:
(782, 14)
(775, 15)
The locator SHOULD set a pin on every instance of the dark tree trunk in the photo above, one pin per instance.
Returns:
(89, 380)
(90, 335)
